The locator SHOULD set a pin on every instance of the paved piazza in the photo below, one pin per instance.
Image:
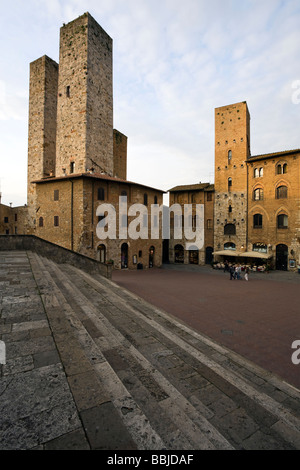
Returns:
(90, 365)
(259, 319)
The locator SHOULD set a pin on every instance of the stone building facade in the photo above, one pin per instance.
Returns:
(257, 198)
(68, 215)
(181, 250)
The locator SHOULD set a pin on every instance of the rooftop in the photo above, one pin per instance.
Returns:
(275, 154)
(193, 187)
(93, 175)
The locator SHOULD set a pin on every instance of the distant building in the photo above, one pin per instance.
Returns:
(180, 249)
(257, 198)
(252, 212)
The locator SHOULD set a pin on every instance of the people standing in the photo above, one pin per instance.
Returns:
(232, 272)
(246, 273)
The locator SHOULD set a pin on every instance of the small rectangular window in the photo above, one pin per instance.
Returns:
(100, 194)
(209, 224)
(6, 220)
(56, 195)
(68, 91)
(56, 221)
(209, 196)
(16, 217)
(72, 167)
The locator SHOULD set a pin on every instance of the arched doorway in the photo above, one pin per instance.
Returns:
(282, 252)
(209, 255)
(101, 253)
(179, 254)
(124, 256)
(151, 256)
(194, 256)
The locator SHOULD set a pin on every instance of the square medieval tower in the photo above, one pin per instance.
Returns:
(232, 150)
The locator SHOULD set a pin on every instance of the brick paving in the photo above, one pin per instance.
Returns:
(258, 319)
(89, 365)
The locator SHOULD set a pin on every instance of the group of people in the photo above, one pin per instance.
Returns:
(235, 271)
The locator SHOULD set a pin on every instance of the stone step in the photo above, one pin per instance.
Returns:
(195, 436)
(101, 299)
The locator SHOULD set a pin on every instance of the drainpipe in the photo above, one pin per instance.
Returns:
(247, 207)
(72, 215)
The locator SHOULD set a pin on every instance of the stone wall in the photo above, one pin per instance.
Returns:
(56, 253)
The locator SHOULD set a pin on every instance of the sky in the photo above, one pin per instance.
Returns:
(174, 62)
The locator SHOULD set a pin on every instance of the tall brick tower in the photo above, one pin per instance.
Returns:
(85, 99)
(232, 149)
(42, 126)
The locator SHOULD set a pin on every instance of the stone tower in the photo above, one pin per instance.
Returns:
(42, 126)
(120, 155)
(85, 99)
(232, 150)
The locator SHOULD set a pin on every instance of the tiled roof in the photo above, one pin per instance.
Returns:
(96, 176)
(275, 154)
(193, 187)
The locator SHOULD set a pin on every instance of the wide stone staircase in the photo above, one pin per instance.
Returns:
(110, 371)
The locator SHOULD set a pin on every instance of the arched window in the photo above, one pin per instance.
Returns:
(193, 198)
(229, 229)
(282, 169)
(256, 173)
(258, 194)
(281, 192)
(282, 221)
(229, 246)
(145, 199)
(229, 156)
(261, 172)
(229, 184)
(124, 193)
(155, 199)
(257, 221)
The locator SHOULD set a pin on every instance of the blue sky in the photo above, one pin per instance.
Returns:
(174, 63)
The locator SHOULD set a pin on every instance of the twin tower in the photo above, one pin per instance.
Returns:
(71, 109)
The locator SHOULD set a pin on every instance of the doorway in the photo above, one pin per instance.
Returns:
(282, 252)
(102, 253)
(179, 254)
(209, 255)
(151, 256)
(124, 256)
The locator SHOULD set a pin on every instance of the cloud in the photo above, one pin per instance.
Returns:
(174, 62)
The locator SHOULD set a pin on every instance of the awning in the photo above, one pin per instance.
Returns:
(256, 254)
(239, 254)
(227, 253)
